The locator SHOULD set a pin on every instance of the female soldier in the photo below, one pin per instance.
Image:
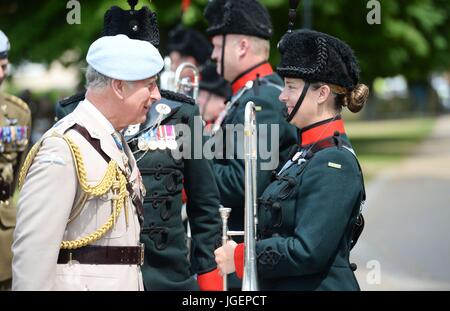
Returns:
(308, 213)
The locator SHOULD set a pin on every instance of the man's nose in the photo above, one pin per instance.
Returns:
(215, 54)
(155, 95)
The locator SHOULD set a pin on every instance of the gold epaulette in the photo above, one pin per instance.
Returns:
(114, 180)
(17, 101)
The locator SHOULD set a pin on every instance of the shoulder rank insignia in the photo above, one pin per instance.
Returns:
(17, 101)
(334, 165)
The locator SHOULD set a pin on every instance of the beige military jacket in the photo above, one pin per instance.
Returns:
(15, 125)
(47, 200)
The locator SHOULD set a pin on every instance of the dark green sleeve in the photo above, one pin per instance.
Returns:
(325, 201)
(202, 209)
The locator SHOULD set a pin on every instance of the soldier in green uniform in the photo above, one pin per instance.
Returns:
(240, 31)
(307, 215)
(169, 264)
(15, 125)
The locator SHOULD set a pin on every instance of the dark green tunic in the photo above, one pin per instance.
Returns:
(166, 256)
(306, 218)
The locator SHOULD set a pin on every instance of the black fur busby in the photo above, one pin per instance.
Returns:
(136, 24)
(211, 81)
(317, 57)
(191, 43)
(245, 17)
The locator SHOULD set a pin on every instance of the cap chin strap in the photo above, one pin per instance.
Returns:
(222, 73)
(299, 102)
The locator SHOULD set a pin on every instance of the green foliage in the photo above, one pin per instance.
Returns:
(412, 39)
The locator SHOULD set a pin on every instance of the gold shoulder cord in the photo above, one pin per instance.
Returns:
(113, 180)
(16, 100)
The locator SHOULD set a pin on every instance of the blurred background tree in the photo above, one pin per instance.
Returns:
(413, 38)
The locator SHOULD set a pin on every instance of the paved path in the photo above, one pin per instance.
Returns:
(407, 233)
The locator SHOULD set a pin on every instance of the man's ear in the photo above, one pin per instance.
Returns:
(324, 93)
(243, 46)
(118, 87)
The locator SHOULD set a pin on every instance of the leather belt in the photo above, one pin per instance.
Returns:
(104, 255)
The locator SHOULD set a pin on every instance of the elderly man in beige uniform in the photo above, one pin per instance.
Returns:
(80, 205)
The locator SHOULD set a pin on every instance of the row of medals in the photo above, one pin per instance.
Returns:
(159, 137)
(15, 136)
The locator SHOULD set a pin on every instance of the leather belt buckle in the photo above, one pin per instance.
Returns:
(142, 254)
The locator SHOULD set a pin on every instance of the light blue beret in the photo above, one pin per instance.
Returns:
(4, 45)
(122, 58)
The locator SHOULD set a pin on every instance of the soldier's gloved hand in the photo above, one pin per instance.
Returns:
(225, 258)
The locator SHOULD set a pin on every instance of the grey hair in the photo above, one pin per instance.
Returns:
(96, 80)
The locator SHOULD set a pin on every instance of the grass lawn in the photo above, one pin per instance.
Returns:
(382, 144)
